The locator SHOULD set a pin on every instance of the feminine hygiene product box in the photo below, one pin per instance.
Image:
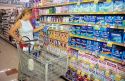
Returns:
(118, 6)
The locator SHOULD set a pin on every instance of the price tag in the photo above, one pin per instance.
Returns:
(81, 52)
(109, 1)
(96, 1)
(102, 58)
(109, 44)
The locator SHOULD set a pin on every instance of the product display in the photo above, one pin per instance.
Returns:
(79, 40)
(96, 37)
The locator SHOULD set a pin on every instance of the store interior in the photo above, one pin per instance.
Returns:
(79, 40)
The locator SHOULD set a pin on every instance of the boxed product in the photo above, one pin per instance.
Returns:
(109, 21)
(100, 20)
(92, 20)
(118, 6)
(118, 52)
(97, 47)
(116, 35)
(89, 45)
(97, 32)
(90, 32)
(93, 7)
(83, 43)
(86, 19)
(105, 49)
(104, 33)
(119, 21)
(78, 30)
(107, 7)
(111, 70)
(83, 31)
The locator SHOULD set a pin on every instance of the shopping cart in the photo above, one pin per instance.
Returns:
(45, 67)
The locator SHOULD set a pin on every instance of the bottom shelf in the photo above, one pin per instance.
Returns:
(4, 38)
(63, 77)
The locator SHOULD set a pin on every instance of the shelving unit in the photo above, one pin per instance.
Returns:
(54, 17)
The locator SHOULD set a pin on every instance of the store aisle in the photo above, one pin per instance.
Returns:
(9, 62)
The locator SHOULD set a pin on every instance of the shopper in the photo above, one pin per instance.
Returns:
(23, 26)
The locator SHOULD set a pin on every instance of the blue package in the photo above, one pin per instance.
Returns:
(83, 43)
(86, 19)
(118, 21)
(106, 49)
(116, 35)
(92, 20)
(104, 33)
(89, 45)
(90, 32)
(118, 52)
(76, 19)
(97, 32)
(83, 31)
(109, 21)
(72, 42)
(100, 20)
(118, 6)
(124, 38)
(78, 30)
(73, 30)
(123, 22)
(93, 7)
(97, 46)
(108, 7)
(100, 7)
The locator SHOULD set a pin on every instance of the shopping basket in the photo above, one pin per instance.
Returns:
(45, 67)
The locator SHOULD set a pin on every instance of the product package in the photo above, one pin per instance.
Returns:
(105, 49)
(92, 20)
(119, 21)
(97, 32)
(118, 52)
(83, 31)
(116, 35)
(104, 33)
(93, 7)
(109, 21)
(89, 45)
(118, 6)
(107, 7)
(90, 32)
(100, 20)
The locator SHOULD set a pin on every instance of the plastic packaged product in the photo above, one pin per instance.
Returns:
(116, 35)
(97, 32)
(86, 19)
(78, 30)
(97, 48)
(90, 32)
(92, 20)
(108, 7)
(118, 21)
(109, 21)
(100, 7)
(83, 30)
(105, 49)
(100, 20)
(83, 43)
(123, 22)
(104, 33)
(93, 7)
(118, 6)
(118, 52)
(89, 45)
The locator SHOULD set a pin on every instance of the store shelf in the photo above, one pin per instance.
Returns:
(4, 38)
(56, 5)
(63, 23)
(106, 57)
(58, 30)
(97, 40)
(89, 13)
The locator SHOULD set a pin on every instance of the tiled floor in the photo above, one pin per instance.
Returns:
(8, 61)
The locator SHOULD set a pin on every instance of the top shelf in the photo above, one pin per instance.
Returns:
(69, 3)
(87, 13)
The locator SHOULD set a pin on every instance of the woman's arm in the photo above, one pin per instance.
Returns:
(38, 29)
(13, 30)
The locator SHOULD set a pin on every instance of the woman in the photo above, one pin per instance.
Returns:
(24, 27)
